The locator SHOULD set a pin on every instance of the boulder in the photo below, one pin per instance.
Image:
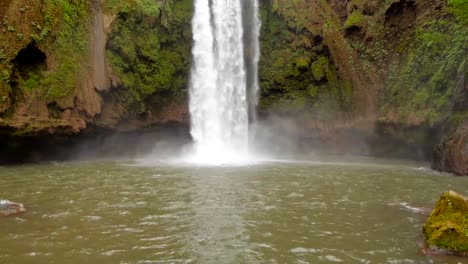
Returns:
(8, 208)
(451, 155)
(446, 230)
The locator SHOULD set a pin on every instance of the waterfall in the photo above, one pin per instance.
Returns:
(218, 90)
(252, 56)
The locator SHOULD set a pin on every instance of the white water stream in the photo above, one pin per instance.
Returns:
(218, 93)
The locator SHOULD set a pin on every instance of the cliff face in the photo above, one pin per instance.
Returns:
(149, 50)
(66, 65)
(382, 73)
(44, 67)
(387, 70)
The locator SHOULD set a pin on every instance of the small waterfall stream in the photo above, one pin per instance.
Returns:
(219, 105)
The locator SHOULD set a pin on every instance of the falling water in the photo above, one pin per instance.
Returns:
(218, 94)
(252, 46)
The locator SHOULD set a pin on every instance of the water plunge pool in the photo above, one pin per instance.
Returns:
(278, 212)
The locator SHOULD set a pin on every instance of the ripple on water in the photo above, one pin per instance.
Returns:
(161, 246)
(148, 223)
(93, 218)
(301, 250)
(331, 258)
(61, 215)
(267, 246)
(132, 230)
(36, 254)
(295, 195)
(112, 252)
(154, 217)
(157, 238)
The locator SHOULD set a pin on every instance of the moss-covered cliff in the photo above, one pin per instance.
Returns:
(411, 53)
(149, 52)
(386, 69)
(43, 66)
(50, 54)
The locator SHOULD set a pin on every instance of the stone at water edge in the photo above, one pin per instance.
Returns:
(446, 230)
(451, 155)
(8, 208)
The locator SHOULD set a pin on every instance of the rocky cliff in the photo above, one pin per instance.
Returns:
(66, 65)
(378, 77)
(383, 74)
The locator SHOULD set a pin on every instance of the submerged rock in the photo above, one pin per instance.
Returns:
(8, 208)
(446, 230)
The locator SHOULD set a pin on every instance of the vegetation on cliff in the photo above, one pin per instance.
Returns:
(422, 84)
(394, 62)
(43, 58)
(60, 32)
(149, 51)
(447, 226)
(45, 61)
(297, 70)
(418, 50)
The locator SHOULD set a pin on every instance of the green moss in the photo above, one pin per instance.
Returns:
(460, 9)
(313, 90)
(60, 29)
(423, 85)
(71, 45)
(150, 53)
(297, 73)
(32, 82)
(302, 62)
(294, 13)
(355, 19)
(116, 6)
(5, 76)
(447, 226)
(320, 68)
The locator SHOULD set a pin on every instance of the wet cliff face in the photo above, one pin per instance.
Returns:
(324, 61)
(66, 65)
(398, 61)
(386, 70)
(382, 73)
(149, 51)
(44, 66)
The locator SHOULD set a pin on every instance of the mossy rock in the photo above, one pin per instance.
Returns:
(446, 230)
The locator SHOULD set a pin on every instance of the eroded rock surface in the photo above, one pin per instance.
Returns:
(451, 154)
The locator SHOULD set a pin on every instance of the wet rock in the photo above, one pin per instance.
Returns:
(8, 208)
(451, 155)
(446, 230)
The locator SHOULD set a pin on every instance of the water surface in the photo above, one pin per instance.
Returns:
(281, 212)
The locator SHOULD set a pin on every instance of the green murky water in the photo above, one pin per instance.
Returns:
(119, 212)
